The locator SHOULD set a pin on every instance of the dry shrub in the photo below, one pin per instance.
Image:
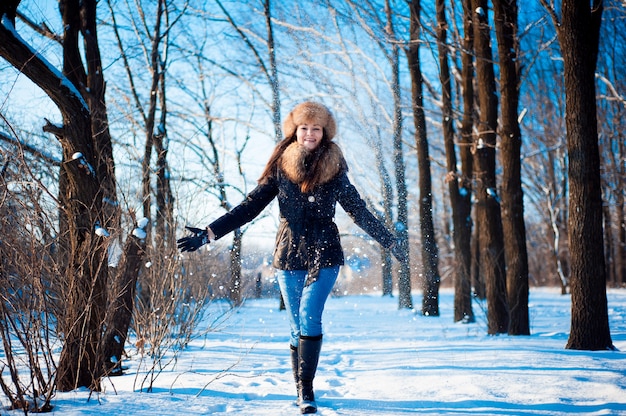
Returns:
(28, 300)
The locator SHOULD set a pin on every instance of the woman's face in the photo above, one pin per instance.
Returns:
(309, 135)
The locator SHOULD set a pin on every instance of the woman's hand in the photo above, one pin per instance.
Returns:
(198, 239)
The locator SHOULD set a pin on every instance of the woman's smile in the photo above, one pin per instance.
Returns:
(309, 135)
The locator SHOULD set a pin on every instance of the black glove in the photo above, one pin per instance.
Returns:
(397, 250)
(192, 243)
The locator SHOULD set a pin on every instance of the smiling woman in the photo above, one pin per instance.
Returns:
(309, 135)
(307, 173)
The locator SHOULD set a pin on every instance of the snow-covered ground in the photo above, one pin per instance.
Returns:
(378, 360)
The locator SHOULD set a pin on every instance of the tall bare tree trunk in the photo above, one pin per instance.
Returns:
(458, 194)
(463, 238)
(96, 89)
(272, 74)
(387, 218)
(619, 165)
(430, 251)
(578, 33)
(488, 213)
(608, 244)
(405, 300)
(620, 210)
(120, 308)
(235, 268)
(514, 228)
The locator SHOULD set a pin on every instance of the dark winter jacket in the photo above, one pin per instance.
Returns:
(307, 237)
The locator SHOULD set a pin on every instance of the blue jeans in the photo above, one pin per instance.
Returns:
(305, 305)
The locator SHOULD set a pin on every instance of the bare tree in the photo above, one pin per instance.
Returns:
(157, 243)
(488, 215)
(611, 106)
(269, 69)
(84, 184)
(430, 251)
(578, 28)
(545, 176)
(220, 188)
(273, 71)
(463, 182)
(402, 224)
(386, 217)
(514, 228)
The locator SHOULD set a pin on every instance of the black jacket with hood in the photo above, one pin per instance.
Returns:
(307, 237)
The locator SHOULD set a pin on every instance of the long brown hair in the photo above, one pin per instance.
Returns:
(270, 167)
(312, 174)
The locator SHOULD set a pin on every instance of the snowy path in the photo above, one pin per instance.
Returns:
(377, 360)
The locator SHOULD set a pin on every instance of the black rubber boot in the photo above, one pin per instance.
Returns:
(294, 367)
(309, 354)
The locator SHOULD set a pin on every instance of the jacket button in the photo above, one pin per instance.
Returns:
(311, 198)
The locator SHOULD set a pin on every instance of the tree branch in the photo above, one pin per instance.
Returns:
(42, 28)
(30, 149)
(26, 60)
(247, 41)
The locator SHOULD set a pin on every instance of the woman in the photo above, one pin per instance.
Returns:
(308, 174)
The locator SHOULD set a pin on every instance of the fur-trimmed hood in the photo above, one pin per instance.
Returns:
(296, 157)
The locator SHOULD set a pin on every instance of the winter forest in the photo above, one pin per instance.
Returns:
(489, 135)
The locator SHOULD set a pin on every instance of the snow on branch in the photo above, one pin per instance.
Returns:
(28, 61)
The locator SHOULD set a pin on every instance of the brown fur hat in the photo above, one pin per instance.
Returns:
(310, 112)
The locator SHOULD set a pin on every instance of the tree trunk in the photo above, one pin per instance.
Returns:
(621, 242)
(430, 251)
(235, 268)
(405, 300)
(557, 211)
(514, 228)
(95, 93)
(463, 238)
(165, 227)
(81, 196)
(462, 284)
(80, 363)
(578, 35)
(620, 214)
(120, 309)
(608, 244)
(488, 204)
(387, 218)
(273, 72)
(480, 291)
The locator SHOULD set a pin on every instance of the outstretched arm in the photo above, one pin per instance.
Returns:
(354, 205)
(246, 211)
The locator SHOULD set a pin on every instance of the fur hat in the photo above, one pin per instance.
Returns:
(310, 112)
